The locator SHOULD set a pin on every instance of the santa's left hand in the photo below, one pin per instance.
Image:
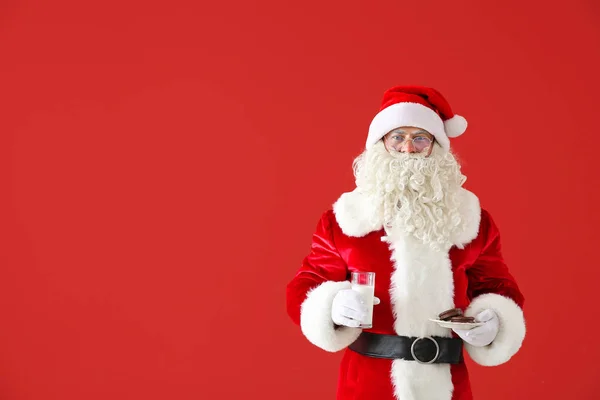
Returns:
(484, 334)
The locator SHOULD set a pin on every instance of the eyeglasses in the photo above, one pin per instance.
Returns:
(419, 142)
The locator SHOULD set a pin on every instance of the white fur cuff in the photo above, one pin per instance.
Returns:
(510, 335)
(316, 322)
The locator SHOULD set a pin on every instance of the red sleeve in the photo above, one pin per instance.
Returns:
(492, 287)
(489, 273)
(323, 263)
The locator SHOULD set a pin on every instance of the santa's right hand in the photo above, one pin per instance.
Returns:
(349, 308)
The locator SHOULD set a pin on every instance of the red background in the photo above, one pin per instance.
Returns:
(163, 167)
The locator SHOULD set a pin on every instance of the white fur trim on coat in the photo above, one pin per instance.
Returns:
(421, 285)
(511, 333)
(356, 216)
(470, 212)
(316, 322)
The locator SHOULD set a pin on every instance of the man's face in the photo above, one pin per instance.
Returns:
(408, 139)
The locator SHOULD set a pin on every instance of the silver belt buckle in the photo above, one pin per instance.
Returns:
(437, 350)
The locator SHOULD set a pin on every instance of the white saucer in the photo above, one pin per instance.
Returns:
(457, 325)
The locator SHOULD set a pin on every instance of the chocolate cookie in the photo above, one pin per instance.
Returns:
(446, 315)
(462, 319)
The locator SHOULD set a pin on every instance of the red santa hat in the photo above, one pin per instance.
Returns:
(417, 106)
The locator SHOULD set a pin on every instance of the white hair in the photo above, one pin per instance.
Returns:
(412, 192)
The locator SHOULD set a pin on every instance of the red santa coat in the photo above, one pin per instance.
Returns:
(414, 283)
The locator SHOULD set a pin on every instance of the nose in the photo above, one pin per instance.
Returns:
(408, 147)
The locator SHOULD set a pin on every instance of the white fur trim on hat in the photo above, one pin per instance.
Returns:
(455, 126)
(407, 114)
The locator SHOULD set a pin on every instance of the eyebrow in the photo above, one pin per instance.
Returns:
(415, 133)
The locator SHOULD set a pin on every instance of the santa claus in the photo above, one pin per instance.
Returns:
(432, 248)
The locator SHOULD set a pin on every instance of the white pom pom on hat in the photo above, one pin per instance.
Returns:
(417, 106)
(455, 126)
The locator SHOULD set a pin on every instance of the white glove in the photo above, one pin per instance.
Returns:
(349, 308)
(484, 334)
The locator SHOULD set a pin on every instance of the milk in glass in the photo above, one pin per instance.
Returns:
(364, 283)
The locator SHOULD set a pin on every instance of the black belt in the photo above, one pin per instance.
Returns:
(425, 350)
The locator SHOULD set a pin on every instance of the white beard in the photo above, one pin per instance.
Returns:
(416, 194)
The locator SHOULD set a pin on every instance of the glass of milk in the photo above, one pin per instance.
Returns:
(364, 283)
